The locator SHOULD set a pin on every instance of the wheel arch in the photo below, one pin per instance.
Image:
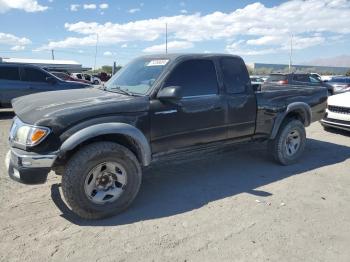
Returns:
(297, 110)
(122, 133)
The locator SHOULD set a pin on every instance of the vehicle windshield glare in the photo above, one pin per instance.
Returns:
(138, 76)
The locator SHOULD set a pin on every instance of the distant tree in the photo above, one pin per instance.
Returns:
(106, 68)
(348, 73)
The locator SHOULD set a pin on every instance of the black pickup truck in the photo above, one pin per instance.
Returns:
(99, 139)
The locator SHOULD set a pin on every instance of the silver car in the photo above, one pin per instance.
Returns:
(340, 84)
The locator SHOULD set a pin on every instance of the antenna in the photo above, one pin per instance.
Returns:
(52, 54)
(166, 38)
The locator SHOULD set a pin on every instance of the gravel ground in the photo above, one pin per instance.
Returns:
(236, 205)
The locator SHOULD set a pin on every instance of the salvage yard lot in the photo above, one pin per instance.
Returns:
(235, 205)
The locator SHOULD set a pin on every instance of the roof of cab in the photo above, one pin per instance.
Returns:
(174, 56)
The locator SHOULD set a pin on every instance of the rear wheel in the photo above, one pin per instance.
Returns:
(101, 180)
(289, 143)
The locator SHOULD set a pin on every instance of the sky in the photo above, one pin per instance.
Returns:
(259, 31)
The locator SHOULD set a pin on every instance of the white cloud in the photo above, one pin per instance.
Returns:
(263, 29)
(17, 43)
(104, 6)
(279, 43)
(30, 6)
(18, 47)
(74, 7)
(108, 53)
(134, 10)
(89, 6)
(172, 46)
(124, 46)
(183, 11)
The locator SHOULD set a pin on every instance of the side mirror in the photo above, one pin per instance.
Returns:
(170, 93)
(51, 80)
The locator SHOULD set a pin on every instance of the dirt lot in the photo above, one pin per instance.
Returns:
(232, 206)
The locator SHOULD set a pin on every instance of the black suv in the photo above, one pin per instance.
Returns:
(297, 79)
(155, 107)
(19, 80)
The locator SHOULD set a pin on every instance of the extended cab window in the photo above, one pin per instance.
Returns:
(9, 73)
(301, 78)
(235, 75)
(195, 77)
(33, 75)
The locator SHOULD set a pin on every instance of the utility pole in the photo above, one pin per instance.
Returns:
(291, 53)
(166, 38)
(52, 54)
(114, 68)
(96, 51)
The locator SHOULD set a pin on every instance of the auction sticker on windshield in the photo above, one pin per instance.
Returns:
(160, 62)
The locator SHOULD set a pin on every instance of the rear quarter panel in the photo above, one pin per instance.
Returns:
(274, 99)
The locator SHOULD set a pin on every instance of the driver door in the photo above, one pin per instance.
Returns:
(198, 117)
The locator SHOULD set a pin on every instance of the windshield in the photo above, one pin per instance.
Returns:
(138, 76)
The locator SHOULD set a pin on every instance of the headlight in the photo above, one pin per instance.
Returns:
(27, 135)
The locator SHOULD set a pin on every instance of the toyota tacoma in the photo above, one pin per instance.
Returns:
(100, 139)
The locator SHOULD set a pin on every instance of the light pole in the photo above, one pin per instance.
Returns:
(96, 51)
(291, 53)
(166, 38)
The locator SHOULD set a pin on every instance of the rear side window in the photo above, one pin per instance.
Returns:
(9, 73)
(235, 75)
(276, 78)
(301, 78)
(33, 75)
(196, 77)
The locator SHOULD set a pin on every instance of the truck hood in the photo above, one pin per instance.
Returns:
(63, 108)
(342, 100)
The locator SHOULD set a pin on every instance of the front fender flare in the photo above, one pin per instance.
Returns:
(108, 129)
(298, 107)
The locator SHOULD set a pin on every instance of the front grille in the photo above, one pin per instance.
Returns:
(339, 109)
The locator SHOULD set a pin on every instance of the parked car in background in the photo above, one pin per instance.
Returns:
(338, 112)
(66, 77)
(19, 80)
(340, 84)
(256, 82)
(90, 78)
(298, 80)
(103, 76)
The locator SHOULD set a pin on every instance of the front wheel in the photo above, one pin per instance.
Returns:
(101, 180)
(289, 143)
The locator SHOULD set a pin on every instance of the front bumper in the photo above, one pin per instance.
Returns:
(339, 124)
(27, 167)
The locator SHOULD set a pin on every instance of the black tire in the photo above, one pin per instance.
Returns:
(278, 147)
(79, 166)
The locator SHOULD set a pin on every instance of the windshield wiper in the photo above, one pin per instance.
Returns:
(125, 92)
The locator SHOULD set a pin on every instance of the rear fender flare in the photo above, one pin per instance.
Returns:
(300, 108)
